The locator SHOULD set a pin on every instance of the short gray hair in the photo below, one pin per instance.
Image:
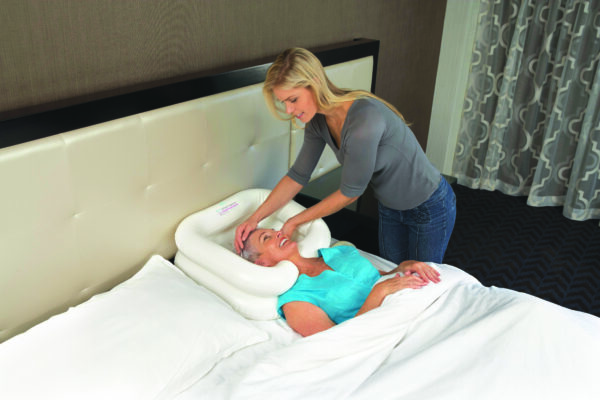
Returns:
(249, 252)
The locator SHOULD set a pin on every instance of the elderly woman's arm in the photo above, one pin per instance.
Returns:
(389, 286)
(306, 318)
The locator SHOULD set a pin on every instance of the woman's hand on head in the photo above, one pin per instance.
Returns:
(242, 232)
(424, 270)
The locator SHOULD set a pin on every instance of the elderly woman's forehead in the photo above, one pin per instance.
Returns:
(256, 233)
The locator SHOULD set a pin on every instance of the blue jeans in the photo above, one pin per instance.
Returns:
(421, 233)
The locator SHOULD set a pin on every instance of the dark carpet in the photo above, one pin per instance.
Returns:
(503, 242)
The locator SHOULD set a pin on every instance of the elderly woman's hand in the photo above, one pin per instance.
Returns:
(424, 270)
(392, 285)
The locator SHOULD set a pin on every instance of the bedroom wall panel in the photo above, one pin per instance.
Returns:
(460, 24)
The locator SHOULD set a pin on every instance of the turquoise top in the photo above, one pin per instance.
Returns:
(341, 292)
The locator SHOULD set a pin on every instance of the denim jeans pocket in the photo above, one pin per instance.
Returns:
(420, 215)
(434, 209)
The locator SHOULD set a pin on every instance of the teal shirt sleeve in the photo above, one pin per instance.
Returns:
(341, 292)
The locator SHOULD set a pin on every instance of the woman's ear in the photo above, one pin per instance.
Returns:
(263, 263)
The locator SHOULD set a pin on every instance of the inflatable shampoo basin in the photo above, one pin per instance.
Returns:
(206, 253)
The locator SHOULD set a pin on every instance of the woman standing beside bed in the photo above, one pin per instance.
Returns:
(374, 145)
(338, 285)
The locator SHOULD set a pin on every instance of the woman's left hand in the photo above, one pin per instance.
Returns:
(288, 228)
(424, 270)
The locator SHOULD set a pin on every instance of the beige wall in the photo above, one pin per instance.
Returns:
(451, 83)
(57, 49)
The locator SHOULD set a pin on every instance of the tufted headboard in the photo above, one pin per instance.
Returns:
(92, 189)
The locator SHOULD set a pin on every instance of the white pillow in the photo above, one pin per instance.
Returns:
(150, 337)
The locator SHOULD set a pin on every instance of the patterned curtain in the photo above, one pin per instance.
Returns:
(531, 117)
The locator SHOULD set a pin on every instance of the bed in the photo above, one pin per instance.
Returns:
(93, 305)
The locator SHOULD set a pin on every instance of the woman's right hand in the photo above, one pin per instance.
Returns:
(242, 232)
(281, 194)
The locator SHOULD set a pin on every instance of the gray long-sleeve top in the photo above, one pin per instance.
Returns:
(377, 147)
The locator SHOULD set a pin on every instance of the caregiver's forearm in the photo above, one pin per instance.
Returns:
(329, 205)
(281, 194)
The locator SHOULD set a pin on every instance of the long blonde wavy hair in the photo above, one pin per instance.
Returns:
(299, 68)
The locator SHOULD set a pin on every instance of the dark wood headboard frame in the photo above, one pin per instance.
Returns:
(23, 125)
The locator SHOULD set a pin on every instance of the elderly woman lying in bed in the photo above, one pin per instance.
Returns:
(338, 285)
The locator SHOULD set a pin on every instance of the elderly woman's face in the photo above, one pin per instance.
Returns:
(272, 245)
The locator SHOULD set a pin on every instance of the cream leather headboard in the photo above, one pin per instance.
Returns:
(83, 210)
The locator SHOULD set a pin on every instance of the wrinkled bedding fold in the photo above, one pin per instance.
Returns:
(456, 339)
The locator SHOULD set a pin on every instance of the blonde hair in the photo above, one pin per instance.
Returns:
(299, 68)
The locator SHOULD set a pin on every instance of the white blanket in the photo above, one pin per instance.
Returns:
(453, 340)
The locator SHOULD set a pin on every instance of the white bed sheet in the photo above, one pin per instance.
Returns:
(452, 340)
